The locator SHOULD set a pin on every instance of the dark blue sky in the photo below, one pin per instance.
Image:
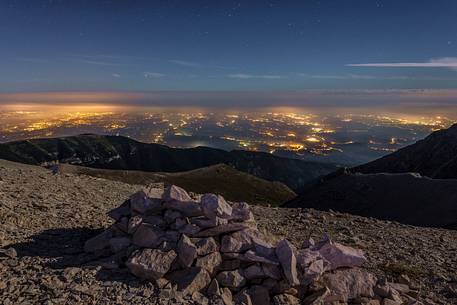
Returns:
(228, 45)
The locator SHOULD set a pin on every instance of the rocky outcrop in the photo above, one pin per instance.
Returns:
(206, 247)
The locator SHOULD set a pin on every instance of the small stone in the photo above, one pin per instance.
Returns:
(187, 252)
(241, 212)
(190, 280)
(286, 256)
(134, 223)
(199, 298)
(10, 252)
(174, 192)
(150, 264)
(306, 256)
(213, 288)
(308, 243)
(226, 296)
(209, 262)
(206, 246)
(119, 243)
(404, 279)
(285, 299)
(390, 302)
(162, 283)
(215, 206)
(231, 279)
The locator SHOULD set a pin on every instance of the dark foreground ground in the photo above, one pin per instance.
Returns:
(46, 218)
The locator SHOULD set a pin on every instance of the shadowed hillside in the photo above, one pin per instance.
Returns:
(227, 181)
(435, 157)
(407, 198)
(116, 152)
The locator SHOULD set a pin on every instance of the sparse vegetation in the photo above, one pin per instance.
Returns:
(396, 269)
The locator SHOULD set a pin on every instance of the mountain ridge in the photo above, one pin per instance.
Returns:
(118, 152)
(434, 156)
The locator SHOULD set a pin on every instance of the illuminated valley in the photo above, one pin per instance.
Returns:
(341, 138)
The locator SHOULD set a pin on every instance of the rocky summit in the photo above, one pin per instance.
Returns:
(47, 219)
(210, 250)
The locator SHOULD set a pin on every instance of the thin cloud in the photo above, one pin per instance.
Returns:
(185, 63)
(153, 75)
(99, 63)
(116, 75)
(444, 62)
(252, 76)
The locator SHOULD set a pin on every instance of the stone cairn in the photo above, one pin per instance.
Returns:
(211, 249)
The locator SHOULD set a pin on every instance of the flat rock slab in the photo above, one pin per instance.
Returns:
(151, 264)
(223, 229)
(346, 284)
(286, 256)
(190, 280)
(187, 208)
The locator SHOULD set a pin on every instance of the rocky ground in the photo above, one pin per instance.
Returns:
(46, 219)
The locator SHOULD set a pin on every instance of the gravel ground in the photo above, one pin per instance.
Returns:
(47, 217)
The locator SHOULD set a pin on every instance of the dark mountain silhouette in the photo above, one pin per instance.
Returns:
(408, 198)
(434, 157)
(415, 185)
(117, 152)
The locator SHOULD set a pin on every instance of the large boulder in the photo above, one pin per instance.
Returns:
(174, 192)
(215, 206)
(147, 236)
(348, 284)
(241, 241)
(231, 279)
(140, 203)
(209, 262)
(206, 245)
(187, 251)
(150, 264)
(339, 255)
(286, 256)
(190, 280)
(241, 212)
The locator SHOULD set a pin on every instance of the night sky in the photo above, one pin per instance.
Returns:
(227, 45)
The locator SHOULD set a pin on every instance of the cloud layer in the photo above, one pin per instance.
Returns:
(444, 62)
(251, 76)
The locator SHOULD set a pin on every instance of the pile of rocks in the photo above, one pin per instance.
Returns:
(211, 250)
